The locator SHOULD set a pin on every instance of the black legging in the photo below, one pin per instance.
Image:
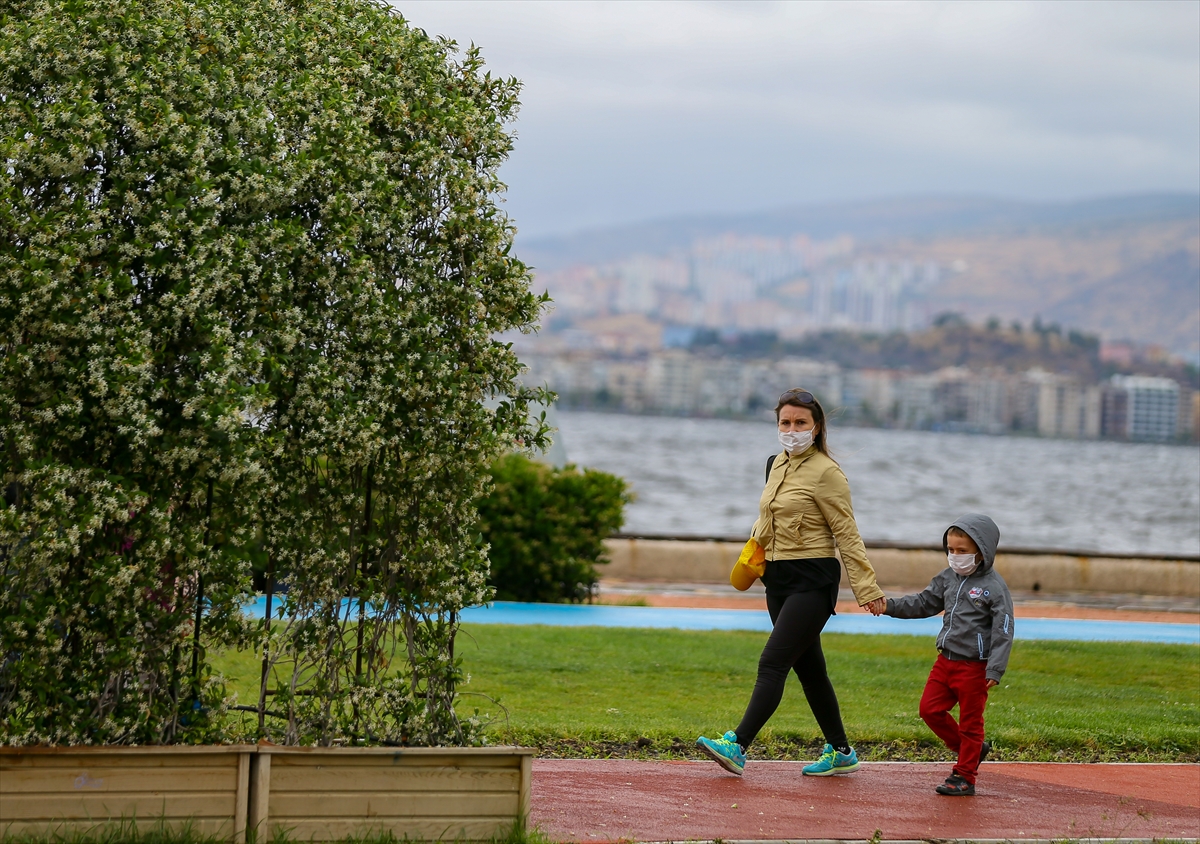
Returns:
(794, 644)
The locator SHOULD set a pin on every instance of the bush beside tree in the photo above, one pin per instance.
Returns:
(545, 528)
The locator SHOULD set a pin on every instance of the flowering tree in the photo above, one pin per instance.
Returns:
(251, 269)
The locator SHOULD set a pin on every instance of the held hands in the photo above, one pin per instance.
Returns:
(876, 607)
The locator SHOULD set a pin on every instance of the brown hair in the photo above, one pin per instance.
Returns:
(804, 398)
(955, 530)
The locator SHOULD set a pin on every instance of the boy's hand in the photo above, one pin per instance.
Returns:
(877, 606)
(991, 683)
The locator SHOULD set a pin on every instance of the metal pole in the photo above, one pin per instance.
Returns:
(266, 661)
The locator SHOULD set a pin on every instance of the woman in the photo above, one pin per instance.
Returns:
(803, 509)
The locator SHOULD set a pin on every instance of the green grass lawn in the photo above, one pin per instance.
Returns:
(611, 691)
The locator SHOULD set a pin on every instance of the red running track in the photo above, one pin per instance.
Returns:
(607, 800)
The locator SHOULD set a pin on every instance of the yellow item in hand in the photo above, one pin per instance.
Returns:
(749, 566)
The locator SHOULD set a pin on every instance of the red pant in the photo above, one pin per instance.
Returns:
(965, 683)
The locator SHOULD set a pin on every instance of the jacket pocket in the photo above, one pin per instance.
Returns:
(795, 527)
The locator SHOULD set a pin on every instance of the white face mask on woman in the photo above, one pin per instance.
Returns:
(962, 564)
(794, 443)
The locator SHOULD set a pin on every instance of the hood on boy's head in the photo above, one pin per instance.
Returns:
(983, 531)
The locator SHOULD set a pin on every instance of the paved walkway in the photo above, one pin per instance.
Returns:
(607, 800)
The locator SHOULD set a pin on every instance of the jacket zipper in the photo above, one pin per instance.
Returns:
(979, 636)
(946, 632)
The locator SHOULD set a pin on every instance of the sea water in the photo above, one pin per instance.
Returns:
(703, 477)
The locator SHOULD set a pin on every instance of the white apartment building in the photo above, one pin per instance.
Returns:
(678, 382)
(969, 401)
(870, 394)
(1064, 407)
(1145, 408)
(917, 403)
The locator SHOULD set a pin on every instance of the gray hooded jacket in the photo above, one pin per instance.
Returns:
(977, 611)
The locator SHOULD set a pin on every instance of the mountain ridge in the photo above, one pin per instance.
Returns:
(867, 221)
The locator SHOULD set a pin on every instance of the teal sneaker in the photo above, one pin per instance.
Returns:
(832, 762)
(726, 752)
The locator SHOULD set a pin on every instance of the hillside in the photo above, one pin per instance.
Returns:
(1125, 268)
(868, 222)
(951, 342)
(1137, 281)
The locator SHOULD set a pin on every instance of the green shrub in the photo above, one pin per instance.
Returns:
(546, 528)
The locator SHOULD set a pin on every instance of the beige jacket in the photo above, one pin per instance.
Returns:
(804, 507)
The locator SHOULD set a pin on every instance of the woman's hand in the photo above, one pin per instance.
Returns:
(876, 607)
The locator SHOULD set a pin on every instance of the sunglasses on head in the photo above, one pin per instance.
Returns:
(802, 396)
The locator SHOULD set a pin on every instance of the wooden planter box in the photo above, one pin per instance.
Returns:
(312, 794)
(72, 789)
(429, 794)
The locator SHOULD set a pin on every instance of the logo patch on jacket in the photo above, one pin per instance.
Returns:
(976, 593)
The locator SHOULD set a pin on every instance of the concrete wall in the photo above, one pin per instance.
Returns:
(709, 561)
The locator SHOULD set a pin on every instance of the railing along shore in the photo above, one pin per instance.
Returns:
(708, 559)
(917, 546)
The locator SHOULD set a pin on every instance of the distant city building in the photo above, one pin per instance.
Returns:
(880, 295)
(1142, 408)
(969, 402)
(1114, 415)
(1065, 408)
(824, 379)
(917, 407)
(870, 396)
(1189, 415)
(1122, 354)
(733, 269)
(790, 286)
(626, 334)
(682, 382)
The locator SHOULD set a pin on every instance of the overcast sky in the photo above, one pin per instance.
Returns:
(639, 110)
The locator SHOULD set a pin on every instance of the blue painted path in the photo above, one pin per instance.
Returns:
(601, 615)
(680, 618)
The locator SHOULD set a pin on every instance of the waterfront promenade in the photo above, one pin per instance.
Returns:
(625, 800)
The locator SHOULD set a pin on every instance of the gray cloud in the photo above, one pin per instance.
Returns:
(637, 110)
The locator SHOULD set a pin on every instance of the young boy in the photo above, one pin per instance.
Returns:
(973, 645)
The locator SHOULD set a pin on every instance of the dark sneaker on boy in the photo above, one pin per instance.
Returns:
(984, 751)
(956, 786)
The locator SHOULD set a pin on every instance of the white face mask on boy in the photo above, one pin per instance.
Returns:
(962, 563)
(794, 443)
